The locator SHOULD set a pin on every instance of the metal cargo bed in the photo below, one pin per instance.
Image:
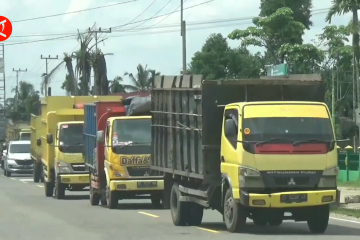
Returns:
(187, 116)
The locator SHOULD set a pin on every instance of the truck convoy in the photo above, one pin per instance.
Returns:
(117, 154)
(256, 148)
(62, 166)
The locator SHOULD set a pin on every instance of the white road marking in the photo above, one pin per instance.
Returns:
(25, 180)
(13, 179)
(344, 220)
(40, 185)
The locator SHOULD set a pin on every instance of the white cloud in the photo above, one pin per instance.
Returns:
(161, 49)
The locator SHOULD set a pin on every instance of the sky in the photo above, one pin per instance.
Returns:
(159, 46)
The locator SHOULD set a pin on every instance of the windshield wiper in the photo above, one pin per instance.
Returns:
(310, 141)
(273, 140)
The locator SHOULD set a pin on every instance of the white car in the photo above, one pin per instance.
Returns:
(18, 158)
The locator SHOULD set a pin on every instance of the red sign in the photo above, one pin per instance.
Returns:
(5, 28)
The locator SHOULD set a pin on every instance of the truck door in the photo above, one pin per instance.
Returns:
(229, 139)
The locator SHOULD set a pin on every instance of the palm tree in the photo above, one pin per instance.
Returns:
(116, 86)
(142, 80)
(67, 60)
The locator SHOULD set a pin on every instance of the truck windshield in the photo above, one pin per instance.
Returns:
(19, 148)
(294, 128)
(71, 138)
(132, 130)
(24, 136)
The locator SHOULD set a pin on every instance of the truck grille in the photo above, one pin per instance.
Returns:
(138, 171)
(78, 167)
(284, 181)
(24, 162)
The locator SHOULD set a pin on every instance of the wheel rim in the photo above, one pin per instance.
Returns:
(229, 210)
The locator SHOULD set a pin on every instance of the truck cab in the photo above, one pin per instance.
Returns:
(70, 172)
(127, 160)
(24, 135)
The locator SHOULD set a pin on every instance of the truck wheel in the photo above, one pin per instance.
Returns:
(234, 214)
(94, 197)
(36, 172)
(59, 189)
(103, 200)
(111, 198)
(49, 189)
(195, 214)
(319, 219)
(178, 209)
(156, 200)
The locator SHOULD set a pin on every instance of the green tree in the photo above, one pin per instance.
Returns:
(116, 86)
(142, 80)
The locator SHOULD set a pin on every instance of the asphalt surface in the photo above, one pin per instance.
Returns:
(25, 213)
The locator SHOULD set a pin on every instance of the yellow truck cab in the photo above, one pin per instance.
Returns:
(127, 160)
(69, 165)
(24, 134)
(262, 149)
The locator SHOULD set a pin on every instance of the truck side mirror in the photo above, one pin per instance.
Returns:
(230, 128)
(49, 138)
(38, 142)
(100, 136)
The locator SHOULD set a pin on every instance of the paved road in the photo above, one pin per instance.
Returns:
(25, 213)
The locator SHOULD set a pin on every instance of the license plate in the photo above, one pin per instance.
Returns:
(293, 198)
(147, 184)
(83, 178)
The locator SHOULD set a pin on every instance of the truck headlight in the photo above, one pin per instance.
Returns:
(250, 178)
(63, 167)
(334, 171)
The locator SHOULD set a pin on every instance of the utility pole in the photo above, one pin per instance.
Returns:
(46, 80)
(333, 98)
(183, 35)
(96, 31)
(17, 86)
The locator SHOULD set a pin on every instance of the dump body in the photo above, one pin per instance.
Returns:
(35, 134)
(187, 120)
(15, 131)
(96, 115)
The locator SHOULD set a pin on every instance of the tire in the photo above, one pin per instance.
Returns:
(59, 189)
(275, 222)
(260, 221)
(94, 197)
(178, 209)
(7, 173)
(36, 172)
(318, 220)
(156, 200)
(234, 214)
(195, 214)
(111, 198)
(49, 189)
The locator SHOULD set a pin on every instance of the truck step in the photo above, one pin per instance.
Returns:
(193, 192)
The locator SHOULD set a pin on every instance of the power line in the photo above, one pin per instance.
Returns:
(142, 12)
(134, 33)
(153, 15)
(78, 11)
(68, 34)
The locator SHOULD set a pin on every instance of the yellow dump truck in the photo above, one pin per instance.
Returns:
(60, 157)
(18, 132)
(262, 149)
(35, 149)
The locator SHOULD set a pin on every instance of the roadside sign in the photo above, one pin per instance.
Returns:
(277, 70)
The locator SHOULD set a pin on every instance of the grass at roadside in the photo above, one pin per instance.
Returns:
(349, 184)
(346, 211)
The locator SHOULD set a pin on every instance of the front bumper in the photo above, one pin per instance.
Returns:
(314, 198)
(132, 185)
(21, 169)
(73, 179)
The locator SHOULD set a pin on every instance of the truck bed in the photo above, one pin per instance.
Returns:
(187, 117)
